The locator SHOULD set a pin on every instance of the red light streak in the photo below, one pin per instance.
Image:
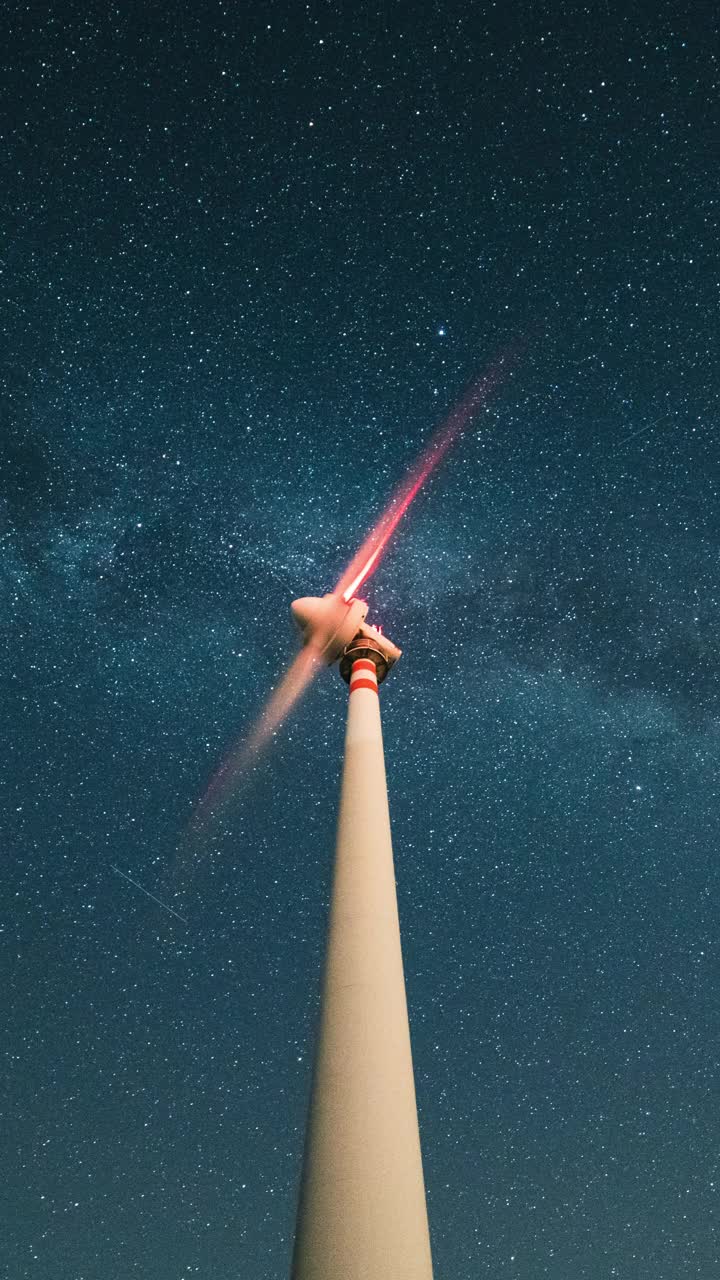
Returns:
(368, 557)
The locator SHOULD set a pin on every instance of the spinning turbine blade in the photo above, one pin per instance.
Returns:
(366, 560)
(298, 676)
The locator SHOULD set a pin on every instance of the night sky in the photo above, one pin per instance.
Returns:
(251, 257)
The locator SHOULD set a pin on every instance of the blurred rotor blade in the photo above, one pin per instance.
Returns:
(368, 557)
(236, 768)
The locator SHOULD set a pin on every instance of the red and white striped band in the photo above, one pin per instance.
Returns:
(363, 675)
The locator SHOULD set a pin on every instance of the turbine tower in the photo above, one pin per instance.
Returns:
(361, 1213)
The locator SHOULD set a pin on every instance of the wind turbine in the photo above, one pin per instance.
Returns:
(361, 1212)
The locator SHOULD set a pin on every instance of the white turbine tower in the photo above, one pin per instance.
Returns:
(361, 1212)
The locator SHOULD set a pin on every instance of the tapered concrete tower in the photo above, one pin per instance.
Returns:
(362, 1213)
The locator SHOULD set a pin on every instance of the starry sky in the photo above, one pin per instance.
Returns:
(251, 257)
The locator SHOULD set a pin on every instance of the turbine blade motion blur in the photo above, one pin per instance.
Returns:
(367, 558)
(236, 767)
(298, 676)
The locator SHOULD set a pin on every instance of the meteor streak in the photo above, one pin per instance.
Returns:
(147, 893)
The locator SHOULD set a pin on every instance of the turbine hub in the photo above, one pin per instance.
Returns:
(336, 627)
(328, 622)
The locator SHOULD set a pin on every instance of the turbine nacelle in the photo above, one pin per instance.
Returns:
(328, 622)
(331, 623)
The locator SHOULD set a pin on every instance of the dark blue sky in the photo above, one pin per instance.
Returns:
(249, 261)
